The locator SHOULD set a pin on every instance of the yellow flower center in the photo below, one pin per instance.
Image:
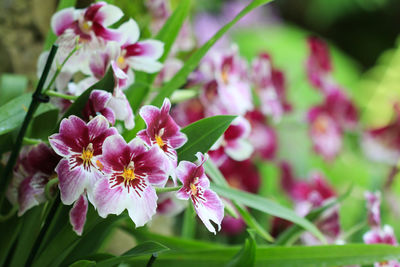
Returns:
(225, 76)
(159, 141)
(86, 26)
(193, 188)
(321, 124)
(121, 62)
(87, 154)
(129, 172)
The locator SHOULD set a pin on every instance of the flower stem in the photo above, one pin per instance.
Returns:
(59, 68)
(37, 99)
(33, 141)
(61, 95)
(167, 189)
(48, 187)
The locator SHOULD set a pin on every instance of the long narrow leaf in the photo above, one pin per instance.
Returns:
(267, 206)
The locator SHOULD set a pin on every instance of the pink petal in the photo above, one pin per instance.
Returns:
(77, 215)
(211, 209)
(130, 32)
(106, 34)
(62, 20)
(113, 147)
(108, 15)
(239, 150)
(30, 194)
(107, 200)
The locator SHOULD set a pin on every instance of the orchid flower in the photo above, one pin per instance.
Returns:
(382, 144)
(80, 145)
(262, 137)
(88, 23)
(207, 204)
(130, 171)
(233, 143)
(27, 188)
(98, 104)
(270, 86)
(378, 234)
(162, 132)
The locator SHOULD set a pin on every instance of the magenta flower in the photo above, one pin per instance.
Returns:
(378, 234)
(162, 132)
(270, 86)
(308, 195)
(88, 23)
(97, 104)
(382, 144)
(196, 185)
(77, 215)
(319, 66)
(131, 171)
(262, 137)
(80, 145)
(34, 168)
(233, 143)
(188, 112)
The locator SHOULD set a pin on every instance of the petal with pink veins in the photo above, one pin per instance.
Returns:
(62, 20)
(211, 209)
(77, 215)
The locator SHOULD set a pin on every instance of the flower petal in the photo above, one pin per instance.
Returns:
(62, 20)
(108, 15)
(210, 210)
(130, 32)
(77, 215)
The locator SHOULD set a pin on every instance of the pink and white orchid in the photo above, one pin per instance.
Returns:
(131, 171)
(233, 143)
(88, 23)
(269, 84)
(98, 104)
(35, 167)
(207, 204)
(162, 132)
(80, 145)
(378, 234)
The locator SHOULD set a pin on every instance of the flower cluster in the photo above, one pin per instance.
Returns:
(98, 48)
(337, 113)
(378, 234)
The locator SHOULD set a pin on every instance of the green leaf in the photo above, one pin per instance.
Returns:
(83, 263)
(305, 256)
(12, 114)
(9, 231)
(51, 37)
(180, 78)
(31, 222)
(267, 206)
(43, 125)
(202, 135)
(172, 27)
(252, 223)
(11, 86)
(189, 223)
(174, 243)
(142, 249)
(246, 256)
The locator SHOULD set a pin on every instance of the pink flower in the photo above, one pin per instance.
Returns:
(188, 112)
(319, 66)
(80, 145)
(97, 104)
(233, 143)
(162, 132)
(88, 23)
(382, 144)
(262, 137)
(328, 122)
(377, 234)
(269, 84)
(77, 215)
(196, 185)
(308, 195)
(131, 172)
(34, 168)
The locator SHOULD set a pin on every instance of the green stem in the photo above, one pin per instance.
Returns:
(9, 214)
(57, 94)
(48, 187)
(33, 141)
(37, 98)
(59, 68)
(167, 189)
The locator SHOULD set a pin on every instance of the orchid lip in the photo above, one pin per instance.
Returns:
(86, 156)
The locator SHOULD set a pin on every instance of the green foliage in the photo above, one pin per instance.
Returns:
(267, 206)
(202, 135)
(11, 86)
(246, 256)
